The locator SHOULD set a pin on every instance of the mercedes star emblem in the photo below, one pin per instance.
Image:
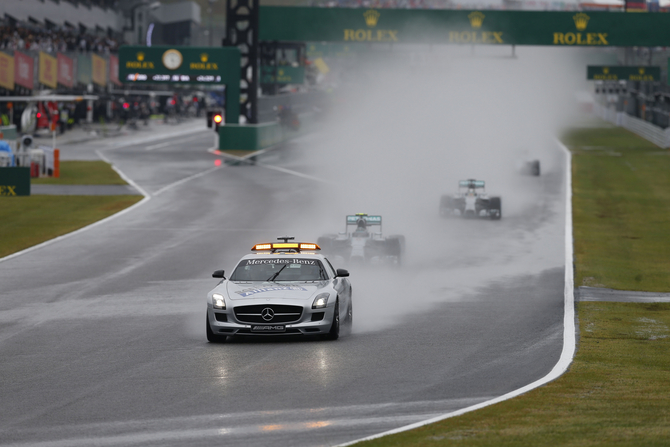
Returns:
(267, 314)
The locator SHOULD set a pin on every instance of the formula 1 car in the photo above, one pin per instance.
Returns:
(471, 200)
(529, 167)
(360, 244)
(283, 288)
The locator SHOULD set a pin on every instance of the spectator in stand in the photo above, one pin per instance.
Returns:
(24, 37)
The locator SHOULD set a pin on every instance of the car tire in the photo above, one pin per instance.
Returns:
(395, 246)
(334, 332)
(349, 322)
(326, 242)
(535, 168)
(211, 336)
(495, 203)
(446, 206)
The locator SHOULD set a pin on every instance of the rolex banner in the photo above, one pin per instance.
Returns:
(623, 73)
(486, 27)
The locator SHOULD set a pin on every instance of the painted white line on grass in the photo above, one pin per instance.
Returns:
(146, 198)
(130, 181)
(568, 324)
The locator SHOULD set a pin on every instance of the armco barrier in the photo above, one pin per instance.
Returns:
(648, 131)
(14, 181)
(254, 137)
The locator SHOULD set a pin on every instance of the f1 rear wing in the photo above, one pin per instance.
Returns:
(369, 220)
(471, 184)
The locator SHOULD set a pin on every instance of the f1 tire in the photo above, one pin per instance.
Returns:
(495, 208)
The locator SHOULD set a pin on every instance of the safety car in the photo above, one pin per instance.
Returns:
(281, 288)
(471, 200)
(362, 242)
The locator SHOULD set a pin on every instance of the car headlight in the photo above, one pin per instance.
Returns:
(320, 301)
(218, 301)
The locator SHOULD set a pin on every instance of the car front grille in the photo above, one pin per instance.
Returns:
(279, 313)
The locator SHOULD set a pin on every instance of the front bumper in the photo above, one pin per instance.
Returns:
(311, 322)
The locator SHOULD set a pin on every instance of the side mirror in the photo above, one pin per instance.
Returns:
(218, 274)
(342, 273)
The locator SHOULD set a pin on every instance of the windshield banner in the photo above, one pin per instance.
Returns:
(280, 261)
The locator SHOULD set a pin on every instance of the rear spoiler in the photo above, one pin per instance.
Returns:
(471, 183)
(370, 220)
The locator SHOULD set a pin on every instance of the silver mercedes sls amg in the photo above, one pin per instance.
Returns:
(282, 288)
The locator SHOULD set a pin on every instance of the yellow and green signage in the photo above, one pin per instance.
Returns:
(487, 27)
(14, 182)
(285, 74)
(622, 73)
(184, 65)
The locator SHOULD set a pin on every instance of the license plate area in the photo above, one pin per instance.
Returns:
(268, 328)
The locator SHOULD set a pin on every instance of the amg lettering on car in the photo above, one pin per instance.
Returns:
(254, 290)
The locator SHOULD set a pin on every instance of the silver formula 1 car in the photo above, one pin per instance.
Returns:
(471, 200)
(362, 242)
(283, 288)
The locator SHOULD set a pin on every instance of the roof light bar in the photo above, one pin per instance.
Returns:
(298, 246)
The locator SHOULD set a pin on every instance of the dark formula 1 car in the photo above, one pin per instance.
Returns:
(529, 167)
(471, 200)
(362, 242)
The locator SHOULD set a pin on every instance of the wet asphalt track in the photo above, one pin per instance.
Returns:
(102, 334)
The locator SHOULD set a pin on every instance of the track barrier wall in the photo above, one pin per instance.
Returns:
(645, 129)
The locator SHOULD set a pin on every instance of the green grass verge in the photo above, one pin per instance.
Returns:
(28, 221)
(617, 392)
(621, 205)
(83, 173)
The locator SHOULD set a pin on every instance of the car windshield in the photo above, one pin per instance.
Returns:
(279, 269)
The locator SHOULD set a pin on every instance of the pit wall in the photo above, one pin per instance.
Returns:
(255, 137)
(648, 131)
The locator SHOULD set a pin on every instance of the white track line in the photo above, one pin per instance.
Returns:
(568, 325)
(146, 198)
(296, 173)
(151, 138)
(184, 180)
(132, 183)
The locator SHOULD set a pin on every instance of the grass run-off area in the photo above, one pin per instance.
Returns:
(621, 205)
(617, 389)
(83, 173)
(28, 221)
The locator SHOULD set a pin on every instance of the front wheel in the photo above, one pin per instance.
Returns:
(334, 332)
(211, 336)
